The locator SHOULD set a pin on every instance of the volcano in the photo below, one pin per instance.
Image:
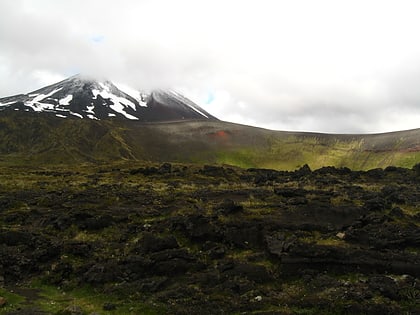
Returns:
(83, 97)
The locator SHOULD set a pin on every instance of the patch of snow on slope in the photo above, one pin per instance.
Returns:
(66, 100)
(140, 97)
(8, 103)
(36, 104)
(118, 102)
(61, 116)
(61, 109)
(76, 114)
(90, 109)
(92, 117)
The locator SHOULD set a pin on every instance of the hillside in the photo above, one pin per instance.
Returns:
(39, 138)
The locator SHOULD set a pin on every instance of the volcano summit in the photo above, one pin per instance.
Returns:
(82, 97)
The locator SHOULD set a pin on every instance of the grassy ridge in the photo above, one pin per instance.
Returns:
(291, 152)
(32, 138)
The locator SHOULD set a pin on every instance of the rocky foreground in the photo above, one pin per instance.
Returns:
(178, 239)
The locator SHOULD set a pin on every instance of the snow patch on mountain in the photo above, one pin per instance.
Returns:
(36, 104)
(76, 114)
(7, 103)
(66, 100)
(119, 103)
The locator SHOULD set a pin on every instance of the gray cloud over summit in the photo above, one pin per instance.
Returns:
(329, 66)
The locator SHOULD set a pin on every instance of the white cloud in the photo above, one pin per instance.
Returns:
(327, 65)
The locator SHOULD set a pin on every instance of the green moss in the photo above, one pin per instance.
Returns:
(53, 300)
(245, 158)
(13, 301)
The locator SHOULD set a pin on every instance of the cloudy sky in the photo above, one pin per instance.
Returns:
(328, 66)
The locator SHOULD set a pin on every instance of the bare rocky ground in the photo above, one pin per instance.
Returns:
(182, 239)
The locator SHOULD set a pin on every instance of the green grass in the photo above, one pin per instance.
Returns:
(13, 301)
(290, 153)
(53, 300)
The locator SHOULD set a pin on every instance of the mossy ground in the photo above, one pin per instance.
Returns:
(146, 238)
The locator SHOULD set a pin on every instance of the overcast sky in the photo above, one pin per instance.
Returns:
(328, 66)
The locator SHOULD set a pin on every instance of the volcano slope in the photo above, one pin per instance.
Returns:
(37, 138)
(136, 238)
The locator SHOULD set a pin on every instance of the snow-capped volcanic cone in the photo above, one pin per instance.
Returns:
(83, 97)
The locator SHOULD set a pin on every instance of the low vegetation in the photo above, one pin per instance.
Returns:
(145, 238)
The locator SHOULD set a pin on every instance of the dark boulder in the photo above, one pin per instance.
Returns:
(394, 194)
(375, 204)
(78, 248)
(305, 170)
(243, 235)
(14, 238)
(376, 173)
(101, 273)
(262, 176)
(108, 306)
(331, 170)
(386, 286)
(198, 228)
(211, 170)
(228, 206)
(151, 243)
(165, 168)
(96, 223)
(172, 262)
(279, 243)
(290, 192)
(396, 212)
(252, 272)
(146, 171)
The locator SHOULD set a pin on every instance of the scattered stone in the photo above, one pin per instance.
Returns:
(341, 235)
(296, 201)
(147, 226)
(165, 168)
(109, 306)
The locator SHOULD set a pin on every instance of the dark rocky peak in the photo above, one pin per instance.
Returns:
(85, 97)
